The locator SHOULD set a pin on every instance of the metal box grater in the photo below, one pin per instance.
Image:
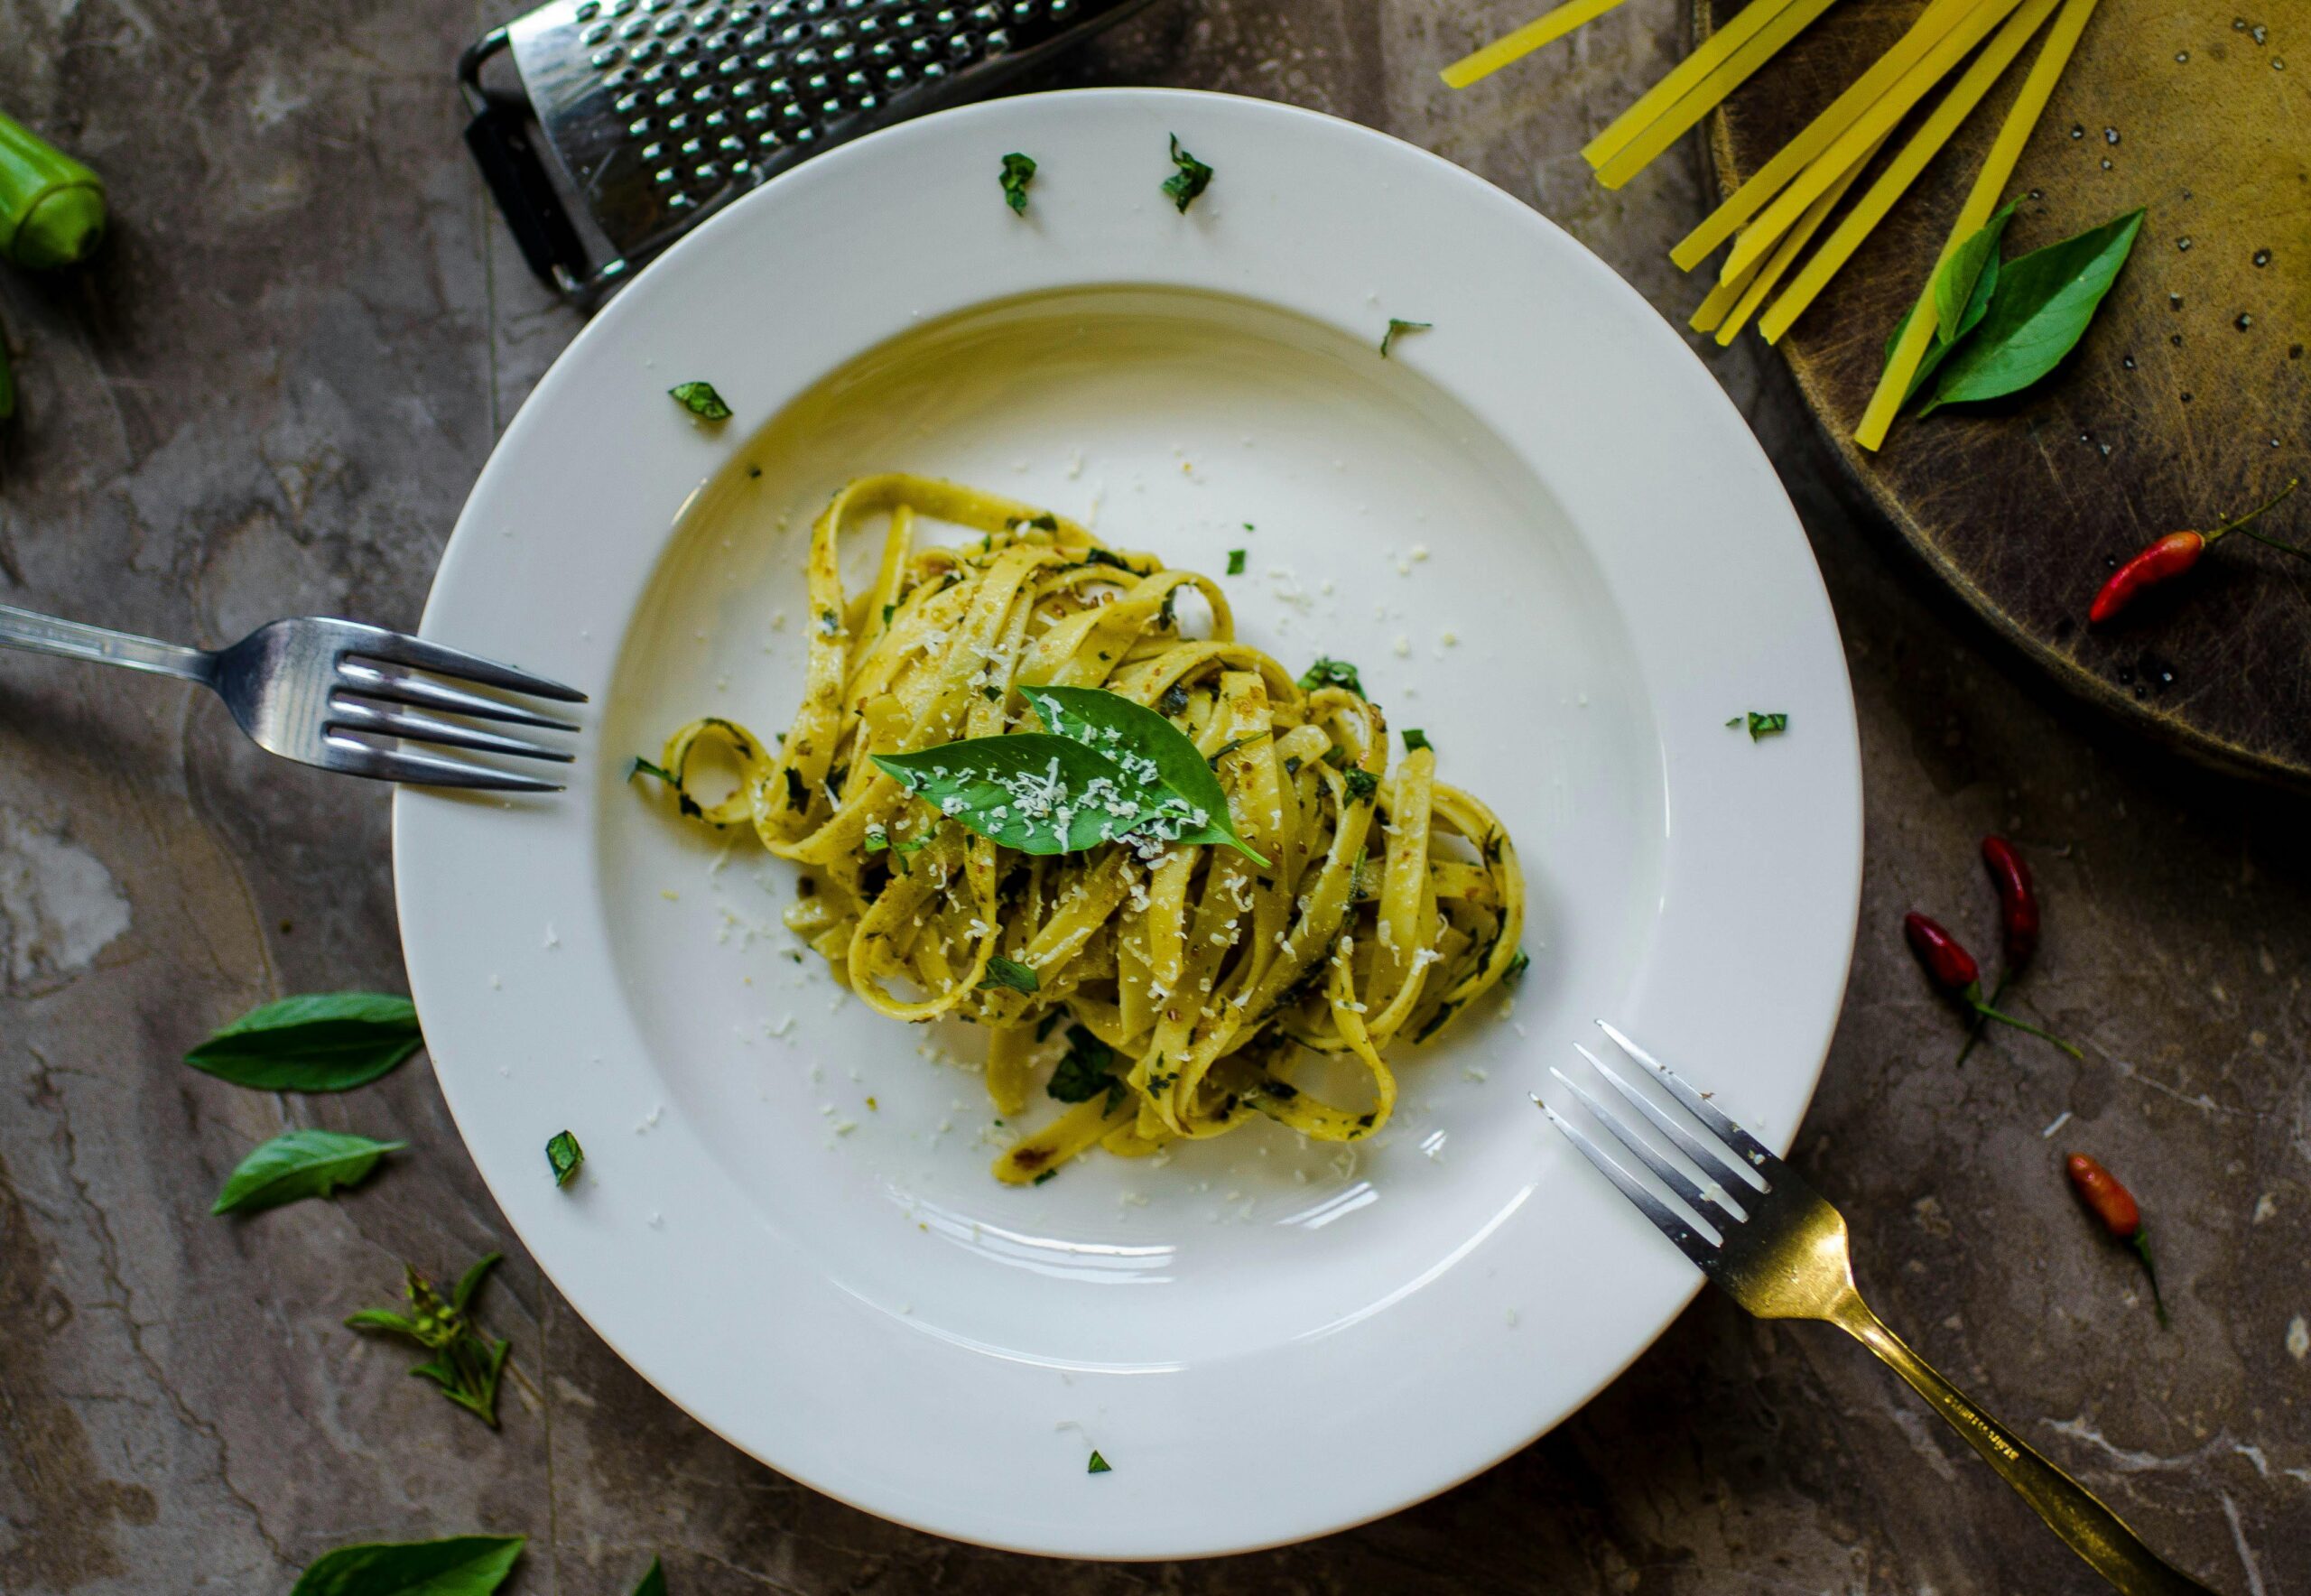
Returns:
(655, 113)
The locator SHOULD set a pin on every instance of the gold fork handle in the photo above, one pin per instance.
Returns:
(2069, 1509)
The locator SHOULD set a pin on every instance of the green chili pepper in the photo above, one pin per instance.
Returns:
(51, 206)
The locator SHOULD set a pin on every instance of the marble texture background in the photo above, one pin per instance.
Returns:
(269, 394)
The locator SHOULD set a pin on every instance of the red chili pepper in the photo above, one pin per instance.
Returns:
(2172, 555)
(2018, 905)
(1953, 970)
(2115, 1206)
(1946, 959)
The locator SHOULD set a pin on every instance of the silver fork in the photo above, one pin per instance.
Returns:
(1782, 1252)
(336, 693)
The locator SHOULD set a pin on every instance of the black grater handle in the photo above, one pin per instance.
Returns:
(499, 137)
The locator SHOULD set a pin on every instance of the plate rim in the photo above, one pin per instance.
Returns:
(409, 807)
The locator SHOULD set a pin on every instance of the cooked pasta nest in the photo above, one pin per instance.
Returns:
(1200, 980)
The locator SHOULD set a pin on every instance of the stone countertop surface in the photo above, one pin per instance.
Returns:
(269, 394)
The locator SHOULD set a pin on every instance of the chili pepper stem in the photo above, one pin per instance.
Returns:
(1988, 1012)
(2297, 550)
(2239, 523)
(2141, 1243)
(1977, 1024)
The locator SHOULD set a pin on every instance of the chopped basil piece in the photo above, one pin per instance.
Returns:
(701, 400)
(1085, 1070)
(1766, 725)
(564, 1155)
(1096, 556)
(1019, 171)
(1174, 701)
(1518, 966)
(1045, 1026)
(1416, 738)
(1736, 721)
(1332, 672)
(1040, 1179)
(798, 796)
(1010, 973)
(1235, 562)
(1396, 326)
(1230, 746)
(1099, 1465)
(1361, 784)
(641, 767)
(1192, 178)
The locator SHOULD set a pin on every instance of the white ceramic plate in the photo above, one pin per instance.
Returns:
(1541, 531)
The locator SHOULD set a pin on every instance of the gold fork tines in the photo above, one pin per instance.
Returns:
(1782, 1252)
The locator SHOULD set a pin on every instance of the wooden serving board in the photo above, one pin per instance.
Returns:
(2189, 398)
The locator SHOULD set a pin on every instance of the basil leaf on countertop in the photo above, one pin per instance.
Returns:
(463, 1565)
(654, 1583)
(2044, 302)
(301, 1164)
(467, 1361)
(1977, 304)
(327, 1043)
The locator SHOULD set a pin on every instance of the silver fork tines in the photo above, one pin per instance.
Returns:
(311, 689)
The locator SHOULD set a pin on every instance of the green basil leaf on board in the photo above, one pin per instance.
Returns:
(654, 1583)
(301, 1164)
(1019, 171)
(2044, 302)
(1192, 178)
(330, 1043)
(564, 1155)
(466, 1362)
(1960, 295)
(463, 1565)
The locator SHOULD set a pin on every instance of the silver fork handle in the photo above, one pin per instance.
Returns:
(2069, 1509)
(76, 640)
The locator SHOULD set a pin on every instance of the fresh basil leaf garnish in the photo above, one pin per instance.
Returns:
(1398, 326)
(1100, 1465)
(1332, 672)
(1235, 562)
(564, 1155)
(1416, 738)
(1766, 725)
(654, 1583)
(329, 1043)
(1192, 178)
(300, 1163)
(463, 1565)
(1107, 770)
(1019, 171)
(1085, 1070)
(2041, 309)
(701, 400)
(466, 1362)
(1009, 973)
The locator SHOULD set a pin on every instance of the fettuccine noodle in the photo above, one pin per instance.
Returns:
(1389, 901)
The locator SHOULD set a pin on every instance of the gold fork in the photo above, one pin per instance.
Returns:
(1781, 1251)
